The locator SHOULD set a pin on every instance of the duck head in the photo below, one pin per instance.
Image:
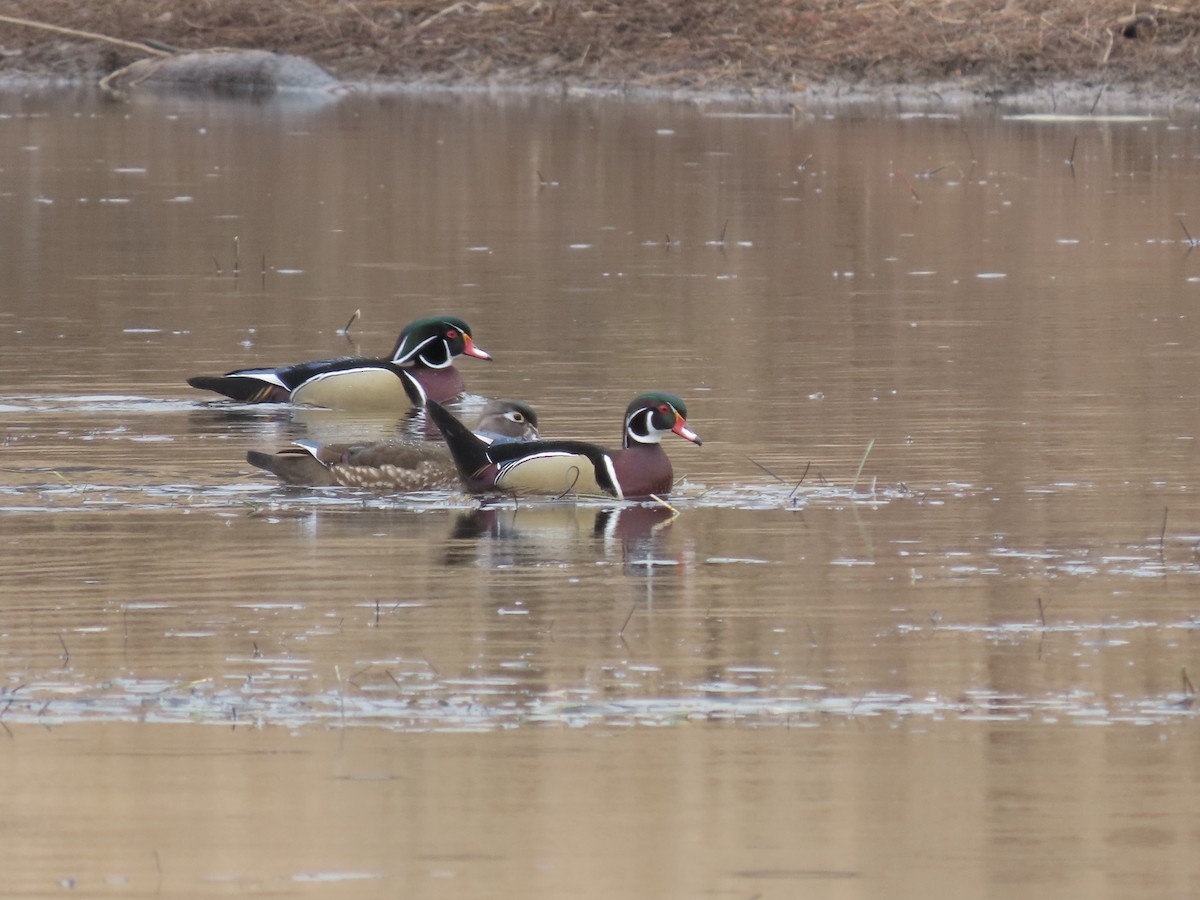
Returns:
(435, 341)
(653, 415)
(509, 418)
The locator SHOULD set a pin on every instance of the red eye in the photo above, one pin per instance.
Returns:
(451, 334)
(664, 408)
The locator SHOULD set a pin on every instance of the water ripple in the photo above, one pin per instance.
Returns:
(490, 704)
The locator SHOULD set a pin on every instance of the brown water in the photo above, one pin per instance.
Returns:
(958, 671)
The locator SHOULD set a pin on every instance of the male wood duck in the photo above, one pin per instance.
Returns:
(639, 469)
(394, 465)
(421, 367)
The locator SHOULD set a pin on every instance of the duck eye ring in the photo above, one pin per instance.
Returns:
(451, 334)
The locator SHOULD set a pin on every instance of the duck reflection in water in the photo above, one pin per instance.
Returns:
(537, 534)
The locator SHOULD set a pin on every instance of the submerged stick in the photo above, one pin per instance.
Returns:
(1071, 158)
(621, 633)
(763, 468)
(1041, 611)
(353, 318)
(862, 463)
(1162, 538)
(911, 189)
(1191, 240)
(341, 705)
(664, 503)
(801, 481)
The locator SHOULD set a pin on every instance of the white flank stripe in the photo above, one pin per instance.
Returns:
(612, 473)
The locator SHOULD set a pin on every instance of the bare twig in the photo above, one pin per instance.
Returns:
(452, 8)
(89, 35)
(575, 471)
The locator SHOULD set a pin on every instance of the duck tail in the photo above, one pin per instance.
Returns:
(247, 390)
(293, 466)
(468, 449)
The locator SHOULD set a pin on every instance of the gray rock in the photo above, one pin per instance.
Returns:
(225, 71)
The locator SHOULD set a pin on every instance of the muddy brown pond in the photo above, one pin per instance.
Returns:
(921, 619)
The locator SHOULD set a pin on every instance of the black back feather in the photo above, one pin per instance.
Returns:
(470, 452)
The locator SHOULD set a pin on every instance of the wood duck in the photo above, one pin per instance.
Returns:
(394, 465)
(421, 367)
(639, 469)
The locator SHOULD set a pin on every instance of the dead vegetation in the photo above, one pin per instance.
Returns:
(706, 44)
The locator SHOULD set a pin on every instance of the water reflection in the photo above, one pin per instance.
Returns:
(941, 519)
(534, 534)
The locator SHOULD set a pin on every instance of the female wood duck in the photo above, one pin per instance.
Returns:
(639, 469)
(420, 368)
(394, 465)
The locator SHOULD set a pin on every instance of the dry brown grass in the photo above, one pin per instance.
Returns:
(701, 43)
